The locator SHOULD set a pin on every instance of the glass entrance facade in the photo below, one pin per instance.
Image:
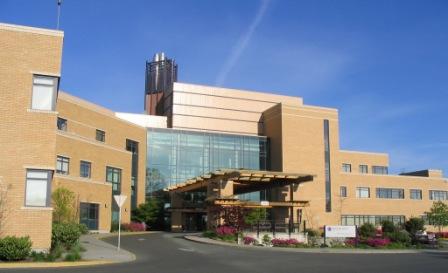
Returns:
(177, 155)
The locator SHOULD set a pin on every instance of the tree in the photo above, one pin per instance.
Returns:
(255, 216)
(413, 226)
(63, 205)
(150, 213)
(438, 215)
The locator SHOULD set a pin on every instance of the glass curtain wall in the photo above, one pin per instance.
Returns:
(177, 155)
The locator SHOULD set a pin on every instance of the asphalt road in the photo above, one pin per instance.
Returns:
(167, 252)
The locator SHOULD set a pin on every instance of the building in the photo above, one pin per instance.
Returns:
(50, 139)
(206, 146)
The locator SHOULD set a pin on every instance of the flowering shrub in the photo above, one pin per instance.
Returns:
(284, 242)
(226, 230)
(351, 241)
(134, 226)
(442, 234)
(377, 242)
(249, 240)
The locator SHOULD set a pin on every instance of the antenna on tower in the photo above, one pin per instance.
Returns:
(59, 12)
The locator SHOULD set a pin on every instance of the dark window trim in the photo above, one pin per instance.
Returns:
(102, 135)
(68, 164)
(90, 168)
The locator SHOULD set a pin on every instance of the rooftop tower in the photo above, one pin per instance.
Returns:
(161, 72)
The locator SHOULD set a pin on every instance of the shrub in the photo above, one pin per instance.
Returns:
(266, 239)
(367, 230)
(399, 236)
(225, 230)
(65, 234)
(209, 234)
(377, 242)
(134, 226)
(72, 256)
(15, 248)
(83, 229)
(312, 232)
(414, 225)
(441, 235)
(388, 226)
(284, 242)
(249, 240)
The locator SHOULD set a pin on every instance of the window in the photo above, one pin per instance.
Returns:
(44, 93)
(84, 169)
(362, 192)
(343, 191)
(416, 194)
(132, 146)
(349, 220)
(62, 164)
(113, 175)
(438, 195)
(347, 168)
(363, 168)
(327, 165)
(62, 124)
(100, 135)
(379, 170)
(389, 193)
(37, 188)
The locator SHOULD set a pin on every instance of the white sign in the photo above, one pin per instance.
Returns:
(340, 231)
(264, 203)
(120, 199)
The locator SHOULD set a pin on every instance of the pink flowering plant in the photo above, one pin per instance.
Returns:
(248, 240)
(286, 243)
(134, 226)
(227, 233)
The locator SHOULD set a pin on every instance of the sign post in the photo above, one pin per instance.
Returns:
(119, 199)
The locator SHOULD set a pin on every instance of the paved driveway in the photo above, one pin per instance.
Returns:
(166, 252)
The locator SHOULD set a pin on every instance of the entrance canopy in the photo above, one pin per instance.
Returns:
(243, 181)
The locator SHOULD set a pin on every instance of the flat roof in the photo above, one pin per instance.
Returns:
(35, 30)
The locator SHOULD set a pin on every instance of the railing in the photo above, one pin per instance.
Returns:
(275, 227)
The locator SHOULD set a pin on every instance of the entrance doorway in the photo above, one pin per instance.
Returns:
(89, 215)
(195, 221)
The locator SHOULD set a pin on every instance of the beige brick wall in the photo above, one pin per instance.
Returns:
(297, 145)
(27, 138)
(79, 143)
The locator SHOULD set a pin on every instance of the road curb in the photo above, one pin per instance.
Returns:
(6, 265)
(204, 240)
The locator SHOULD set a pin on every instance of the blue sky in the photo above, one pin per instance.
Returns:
(383, 64)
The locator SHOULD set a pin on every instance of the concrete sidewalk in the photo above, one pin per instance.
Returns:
(200, 239)
(99, 250)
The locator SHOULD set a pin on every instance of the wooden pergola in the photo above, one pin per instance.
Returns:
(223, 186)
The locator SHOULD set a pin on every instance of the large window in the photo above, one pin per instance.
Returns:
(38, 188)
(85, 169)
(363, 168)
(415, 194)
(44, 93)
(62, 165)
(346, 168)
(100, 135)
(173, 156)
(113, 175)
(379, 170)
(438, 195)
(388, 193)
(348, 220)
(62, 124)
(132, 146)
(343, 191)
(362, 192)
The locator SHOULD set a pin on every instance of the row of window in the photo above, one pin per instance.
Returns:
(349, 220)
(99, 135)
(347, 168)
(391, 193)
(38, 184)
